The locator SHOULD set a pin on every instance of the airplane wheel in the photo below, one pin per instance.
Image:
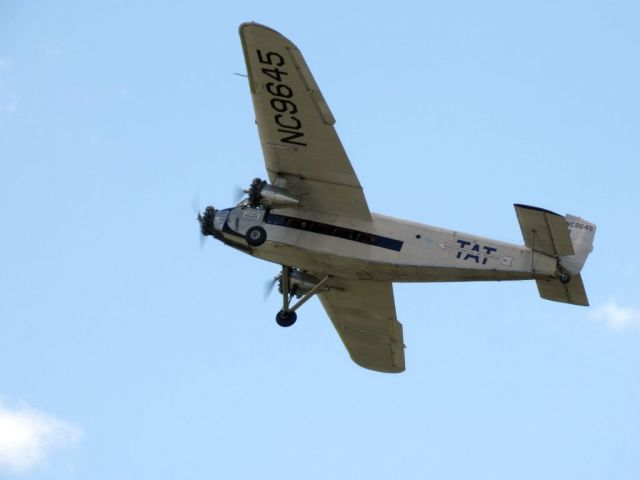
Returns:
(286, 319)
(256, 236)
(565, 278)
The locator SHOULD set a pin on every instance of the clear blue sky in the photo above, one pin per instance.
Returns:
(147, 357)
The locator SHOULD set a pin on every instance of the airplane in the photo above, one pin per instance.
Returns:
(312, 219)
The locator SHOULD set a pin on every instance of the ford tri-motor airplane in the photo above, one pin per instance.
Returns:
(312, 218)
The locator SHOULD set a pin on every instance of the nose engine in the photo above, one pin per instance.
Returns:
(206, 220)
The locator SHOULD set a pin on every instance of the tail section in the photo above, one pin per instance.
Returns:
(556, 290)
(569, 239)
(581, 232)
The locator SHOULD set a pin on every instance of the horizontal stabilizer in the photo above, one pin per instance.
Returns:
(544, 231)
(572, 292)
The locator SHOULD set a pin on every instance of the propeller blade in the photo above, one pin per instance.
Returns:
(269, 287)
(195, 203)
(238, 193)
(195, 207)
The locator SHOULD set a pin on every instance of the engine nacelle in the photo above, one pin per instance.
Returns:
(300, 283)
(271, 196)
(261, 193)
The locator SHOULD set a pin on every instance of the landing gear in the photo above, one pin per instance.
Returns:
(256, 236)
(287, 315)
(564, 277)
(286, 319)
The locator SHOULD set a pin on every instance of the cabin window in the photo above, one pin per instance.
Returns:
(333, 231)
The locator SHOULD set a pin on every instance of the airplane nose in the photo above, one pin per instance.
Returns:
(206, 220)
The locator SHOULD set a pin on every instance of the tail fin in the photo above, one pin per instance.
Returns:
(569, 239)
(581, 232)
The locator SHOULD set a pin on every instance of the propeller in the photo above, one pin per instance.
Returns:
(195, 203)
(197, 211)
(269, 286)
(204, 218)
(238, 193)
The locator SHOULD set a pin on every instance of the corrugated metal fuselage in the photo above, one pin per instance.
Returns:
(386, 249)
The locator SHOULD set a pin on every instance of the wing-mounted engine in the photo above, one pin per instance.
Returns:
(260, 193)
(300, 283)
(293, 282)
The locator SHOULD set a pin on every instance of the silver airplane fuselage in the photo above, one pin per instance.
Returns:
(385, 249)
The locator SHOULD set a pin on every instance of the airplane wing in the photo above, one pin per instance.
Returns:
(364, 314)
(301, 148)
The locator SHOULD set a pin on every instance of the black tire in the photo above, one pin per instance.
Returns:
(256, 236)
(565, 277)
(286, 319)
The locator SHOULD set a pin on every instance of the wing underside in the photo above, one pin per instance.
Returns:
(364, 314)
(301, 148)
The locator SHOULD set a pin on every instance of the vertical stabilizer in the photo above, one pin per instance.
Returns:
(582, 233)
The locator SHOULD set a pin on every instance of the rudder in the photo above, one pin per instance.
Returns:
(582, 233)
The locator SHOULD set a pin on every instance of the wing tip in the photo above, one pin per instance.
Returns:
(377, 366)
(246, 25)
(381, 370)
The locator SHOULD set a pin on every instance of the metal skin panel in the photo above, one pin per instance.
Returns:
(438, 255)
(544, 231)
(364, 315)
(554, 290)
(301, 148)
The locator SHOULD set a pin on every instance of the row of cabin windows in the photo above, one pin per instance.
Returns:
(333, 231)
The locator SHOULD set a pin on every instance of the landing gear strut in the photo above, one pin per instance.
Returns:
(287, 315)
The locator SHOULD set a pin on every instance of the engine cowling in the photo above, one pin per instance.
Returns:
(262, 193)
(206, 221)
(275, 196)
(300, 282)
